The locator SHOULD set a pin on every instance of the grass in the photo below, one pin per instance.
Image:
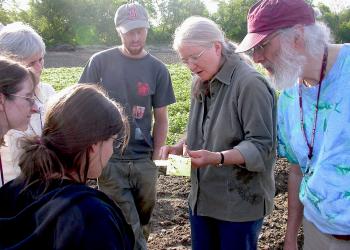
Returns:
(60, 78)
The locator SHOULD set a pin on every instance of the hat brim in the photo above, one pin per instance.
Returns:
(135, 24)
(251, 40)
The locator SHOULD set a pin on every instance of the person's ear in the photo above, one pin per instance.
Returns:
(94, 148)
(299, 42)
(218, 48)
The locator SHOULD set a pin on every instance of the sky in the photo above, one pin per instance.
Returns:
(335, 5)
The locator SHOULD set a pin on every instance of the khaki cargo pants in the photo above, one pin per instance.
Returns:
(132, 185)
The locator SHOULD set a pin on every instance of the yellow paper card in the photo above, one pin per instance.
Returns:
(178, 165)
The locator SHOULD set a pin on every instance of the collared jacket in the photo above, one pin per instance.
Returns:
(239, 113)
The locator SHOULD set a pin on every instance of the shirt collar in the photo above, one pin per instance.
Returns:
(226, 71)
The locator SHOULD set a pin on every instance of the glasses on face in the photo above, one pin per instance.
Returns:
(260, 48)
(30, 100)
(193, 58)
(32, 63)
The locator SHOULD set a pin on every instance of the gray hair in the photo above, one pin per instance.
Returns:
(316, 37)
(20, 41)
(201, 31)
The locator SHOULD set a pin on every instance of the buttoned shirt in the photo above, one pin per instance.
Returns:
(239, 113)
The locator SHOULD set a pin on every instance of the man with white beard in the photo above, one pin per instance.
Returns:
(313, 117)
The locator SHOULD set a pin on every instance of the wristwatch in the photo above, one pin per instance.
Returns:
(222, 160)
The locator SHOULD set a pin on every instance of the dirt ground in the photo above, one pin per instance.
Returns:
(170, 224)
(79, 57)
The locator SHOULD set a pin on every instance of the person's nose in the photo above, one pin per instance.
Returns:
(38, 66)
(191, 65)
(35, 109)
(135, 37)
(258, 57)
(37, 69)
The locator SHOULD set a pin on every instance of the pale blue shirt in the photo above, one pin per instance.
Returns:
(326, 193)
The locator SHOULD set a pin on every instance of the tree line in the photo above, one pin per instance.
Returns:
(87, 22)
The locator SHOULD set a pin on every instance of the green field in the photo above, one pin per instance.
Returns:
(60, 78)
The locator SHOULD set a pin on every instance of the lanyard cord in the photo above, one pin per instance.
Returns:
(1, 173)
(310, 145)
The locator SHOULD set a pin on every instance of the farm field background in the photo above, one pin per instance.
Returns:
(60, 78)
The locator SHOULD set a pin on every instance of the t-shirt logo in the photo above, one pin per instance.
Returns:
(132, 13)
(142, 88)
(138, 112)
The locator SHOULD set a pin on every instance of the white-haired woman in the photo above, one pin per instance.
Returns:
(230, 139)
(24, 44)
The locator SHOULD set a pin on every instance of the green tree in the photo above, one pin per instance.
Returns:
(339, 23)
(171, 13)
(53, 20)
(74, 22)
(344, 26)
(232, 17)
(8, 15)
(94, 21)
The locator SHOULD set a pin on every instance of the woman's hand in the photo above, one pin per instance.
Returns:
(203, 158)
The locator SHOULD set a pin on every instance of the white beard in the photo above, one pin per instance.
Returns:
(287, 68)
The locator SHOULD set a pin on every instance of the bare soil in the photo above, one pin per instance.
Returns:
(170, 224)
(79, 57)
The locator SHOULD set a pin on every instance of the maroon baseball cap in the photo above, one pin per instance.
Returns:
(268, 16)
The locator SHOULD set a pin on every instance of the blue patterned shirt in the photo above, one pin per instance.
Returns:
(326, 193)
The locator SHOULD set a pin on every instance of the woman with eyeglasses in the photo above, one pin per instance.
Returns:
(49, 206)
(22, 43)
(230, 139)
(16, 99)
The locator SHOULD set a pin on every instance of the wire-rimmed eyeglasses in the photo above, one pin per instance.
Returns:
(193, 58)
(30, 100)
(259, 48)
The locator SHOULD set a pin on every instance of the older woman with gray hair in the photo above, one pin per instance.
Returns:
(22, 43)
(230, 139)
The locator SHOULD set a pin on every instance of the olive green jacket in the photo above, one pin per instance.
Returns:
(241, 114)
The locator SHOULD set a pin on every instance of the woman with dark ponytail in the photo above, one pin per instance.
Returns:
(49, 206)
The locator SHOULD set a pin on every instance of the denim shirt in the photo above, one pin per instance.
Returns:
(240, 114)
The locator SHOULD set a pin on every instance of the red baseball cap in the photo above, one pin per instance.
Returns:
(268, 16)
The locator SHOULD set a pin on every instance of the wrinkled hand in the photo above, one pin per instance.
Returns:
(203, 158)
